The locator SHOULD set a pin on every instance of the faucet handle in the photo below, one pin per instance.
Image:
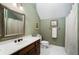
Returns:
(15, 41)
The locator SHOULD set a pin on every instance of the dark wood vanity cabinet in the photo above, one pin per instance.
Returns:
(32, 49)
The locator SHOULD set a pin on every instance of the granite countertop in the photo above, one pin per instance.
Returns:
(9, 47)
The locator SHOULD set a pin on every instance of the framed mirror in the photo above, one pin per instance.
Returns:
(1, 21)
(14, 23)
(0, 26)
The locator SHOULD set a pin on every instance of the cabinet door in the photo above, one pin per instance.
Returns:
(38, 47)
(26, 50)
(32, 52)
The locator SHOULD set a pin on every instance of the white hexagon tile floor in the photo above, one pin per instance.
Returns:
(53, 50)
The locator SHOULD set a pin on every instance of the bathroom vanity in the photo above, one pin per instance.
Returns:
(32, 49)
(29, 46)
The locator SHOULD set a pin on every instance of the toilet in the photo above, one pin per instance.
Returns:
(44, 44)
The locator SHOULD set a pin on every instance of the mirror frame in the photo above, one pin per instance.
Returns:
(5, 23)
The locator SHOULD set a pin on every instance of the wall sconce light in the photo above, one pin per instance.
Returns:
(21, 8)
(18, 5)
(15, 4)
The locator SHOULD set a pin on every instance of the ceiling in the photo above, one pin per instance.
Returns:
(53, 10)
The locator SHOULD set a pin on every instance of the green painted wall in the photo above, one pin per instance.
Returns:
(31, 18)
(45, 31)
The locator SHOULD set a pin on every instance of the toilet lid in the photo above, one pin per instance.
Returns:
(45, 42)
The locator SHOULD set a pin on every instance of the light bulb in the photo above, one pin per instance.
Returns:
(21, 8)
